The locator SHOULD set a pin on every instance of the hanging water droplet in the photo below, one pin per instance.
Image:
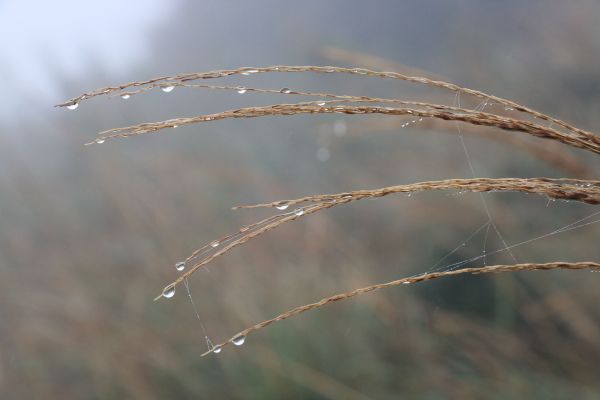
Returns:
(217, 349)
(285, 91)
(169, 292)
(250, 71)
(242, 90)
(321, 104)
(175, 126)
(282, 207)
(239, 340)
(99, 140)
(125, 96)
(73, 106)
(167, 89)
(180, 266)
(299, 211)
(214, 243)
(406, 283)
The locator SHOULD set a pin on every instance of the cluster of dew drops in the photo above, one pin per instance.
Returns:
(169, 292)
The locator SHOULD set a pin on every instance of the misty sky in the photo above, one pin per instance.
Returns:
(63, 34)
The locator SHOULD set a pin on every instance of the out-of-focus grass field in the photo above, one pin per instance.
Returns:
(89, 235)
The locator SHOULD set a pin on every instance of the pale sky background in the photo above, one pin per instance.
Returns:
(64, 33)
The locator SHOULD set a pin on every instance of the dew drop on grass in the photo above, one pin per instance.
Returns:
(180, 266)
(239, 340)
(169, 292)
(217, 349)
(214, 243)
(125, 96)
(167, 89)
(299, 211)
(242, 90)
(285, 91)
(99, 140)
(73, 106)
(282, 207)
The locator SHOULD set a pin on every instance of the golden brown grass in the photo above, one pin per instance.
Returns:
(414, 279)
(167, 81)
(523, 119)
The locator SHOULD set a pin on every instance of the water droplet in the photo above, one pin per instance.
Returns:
(322, 103)
(180, 266)
(99, 140)
(285, 91)
(73, 106)
(125, 96)
(282, 207)
(217, 349)
(169, 292)
(175, 126)
(250, 71)
(167, 89)
(242, 90)
(214, 243)
(299, 211)
(406, 283)
(509, 108)
(239, 340)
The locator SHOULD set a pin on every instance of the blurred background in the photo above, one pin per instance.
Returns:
(89, 235)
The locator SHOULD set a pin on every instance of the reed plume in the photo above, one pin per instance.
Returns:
(523, 120)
